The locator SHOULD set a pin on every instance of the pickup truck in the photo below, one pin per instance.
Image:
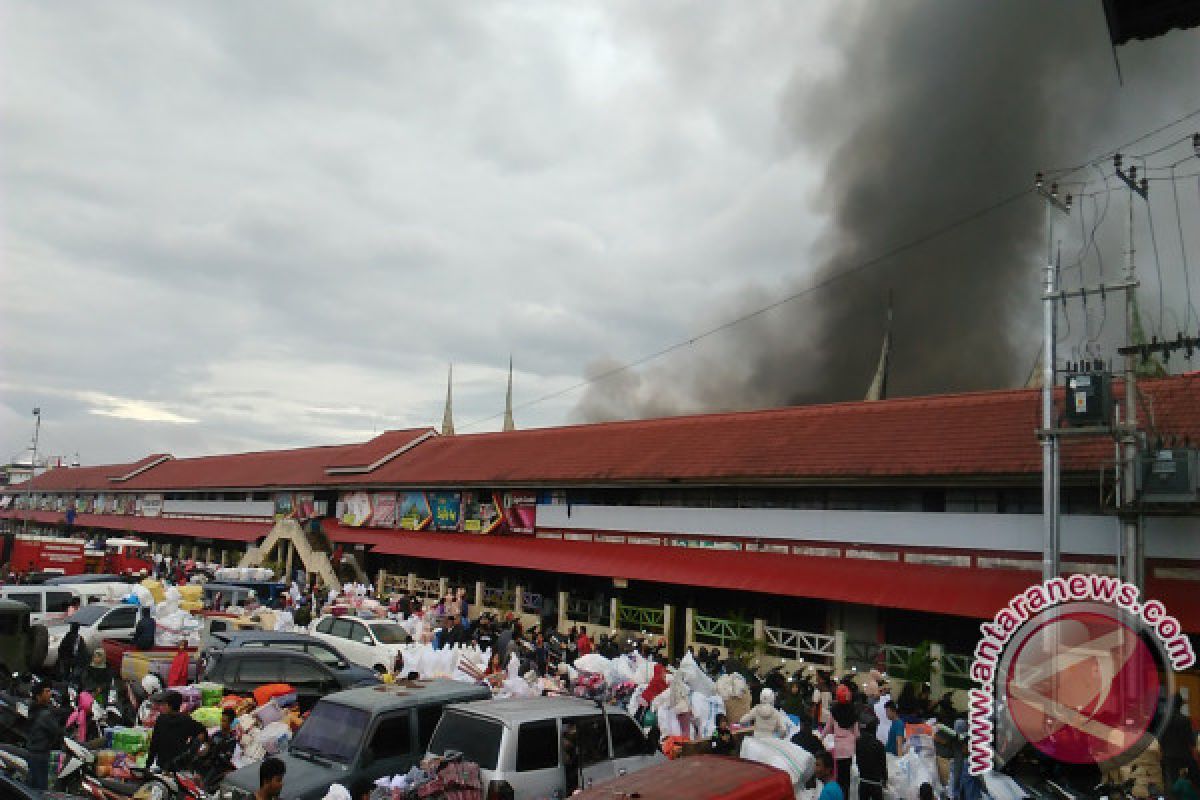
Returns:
(96, 621)
(356, 736)
(699, 778)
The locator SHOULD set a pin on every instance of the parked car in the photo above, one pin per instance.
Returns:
(278, 641)
(241, 670)
(48, 604)
(357, 736)
(22, 643)
(373, 643)
(699, 778)
(96, 621)
(518, 743)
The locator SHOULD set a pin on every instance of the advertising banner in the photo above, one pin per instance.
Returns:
(415, 514)
(479, 512)
(305, 505)
(520, 511)
(152, 505)
(89, 504)
(284, 505)
(447, 508)
(126, 503)
(383, 510)
(357, 509)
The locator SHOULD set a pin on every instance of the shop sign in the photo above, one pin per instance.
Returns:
(447, 510)
(357, 509)
(383, 510)
(414, 512)
(520, 511)
(479, 512)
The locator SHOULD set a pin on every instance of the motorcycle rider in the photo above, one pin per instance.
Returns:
(45, 735)
(216, 758)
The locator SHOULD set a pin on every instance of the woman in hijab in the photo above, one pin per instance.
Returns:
(96, 676)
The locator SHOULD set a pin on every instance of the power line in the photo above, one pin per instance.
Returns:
(828, 281)
(1187, 282)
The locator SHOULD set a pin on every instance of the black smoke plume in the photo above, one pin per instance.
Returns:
(939, 109)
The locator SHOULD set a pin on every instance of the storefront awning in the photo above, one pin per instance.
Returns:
(345, 534)
(167, 526)
(968, 592)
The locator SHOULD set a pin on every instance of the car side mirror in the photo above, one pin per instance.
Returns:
(367, 640)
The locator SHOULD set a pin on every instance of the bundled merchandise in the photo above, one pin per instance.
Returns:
(436, 779)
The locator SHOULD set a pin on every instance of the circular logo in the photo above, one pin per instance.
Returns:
(1082, 686)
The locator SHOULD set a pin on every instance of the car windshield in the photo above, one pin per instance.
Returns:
(389, 633)
(87, 615)
(331, 731)
(477, 738)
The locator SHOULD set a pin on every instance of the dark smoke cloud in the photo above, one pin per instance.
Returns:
(938, 109)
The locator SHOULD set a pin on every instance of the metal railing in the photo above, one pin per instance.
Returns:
(797, 645)
(428, 589)
(531, 602)
(956, 667)
(637, 618)
(721, 632)
(502, 599)
(590, 612)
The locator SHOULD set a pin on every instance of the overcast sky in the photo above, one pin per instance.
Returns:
(233, 226)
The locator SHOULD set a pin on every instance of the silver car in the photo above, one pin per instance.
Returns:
(541, 747)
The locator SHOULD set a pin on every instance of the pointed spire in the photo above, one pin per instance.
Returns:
(448, 414)
(509, 425)
(878, 389)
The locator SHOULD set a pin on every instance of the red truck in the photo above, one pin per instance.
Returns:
(36, 553)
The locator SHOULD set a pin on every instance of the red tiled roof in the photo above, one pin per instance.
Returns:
(948, 436)
(382, 446)
(984, 433)
(194, 528)
(968, 592)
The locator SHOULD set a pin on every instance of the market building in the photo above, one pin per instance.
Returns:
(829, 529)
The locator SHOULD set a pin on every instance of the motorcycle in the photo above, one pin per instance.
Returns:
(16, 760)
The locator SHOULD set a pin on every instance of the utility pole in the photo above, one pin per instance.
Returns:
(1051, 540)
(37, 429)
(1132, 544)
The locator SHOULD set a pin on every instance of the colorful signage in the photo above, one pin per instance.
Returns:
(447, 510)
(479, 512)
(520, 511)
(283, 505)
(304, 505)
(414, 511)
(357, 509)
(383, 510)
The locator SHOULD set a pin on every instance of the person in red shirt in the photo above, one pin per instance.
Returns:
(583, 644)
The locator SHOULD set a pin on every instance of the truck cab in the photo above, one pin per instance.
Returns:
(357, 736)
(19, 640)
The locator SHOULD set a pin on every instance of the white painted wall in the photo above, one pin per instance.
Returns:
(245, 508)
(1166, 537)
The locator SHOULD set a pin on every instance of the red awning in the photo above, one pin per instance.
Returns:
(168, 526)
(967, 592)
(345, 534)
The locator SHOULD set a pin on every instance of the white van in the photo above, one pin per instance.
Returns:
(48, 603)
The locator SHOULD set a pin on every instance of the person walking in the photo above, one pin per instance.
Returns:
(67, 649)
(174, 732)
(843, 725)
(871, 758)
(45, 735)
(143, 632)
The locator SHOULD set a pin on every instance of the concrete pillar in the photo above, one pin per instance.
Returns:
(519, 600)
(614, 614)
(936, 679)
(689, 627)
(479, 594)
(668, 625)
(839, 652)
(291, 552)
(760, 632)
(380, 582)
(443, 586)
(564, 622)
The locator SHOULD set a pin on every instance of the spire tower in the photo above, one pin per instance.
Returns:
(448, 414)
(878, 389)
(509, 425)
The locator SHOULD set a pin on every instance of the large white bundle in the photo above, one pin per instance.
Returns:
(1001, 787)
(907, 773)
(705, 708)
(643, 669)
(732, 686)
(142, 595)
(797, 762)
(623, 669)
(172, 595)
(284, 621)
(594, 662)
(695, 678)
(668, 720)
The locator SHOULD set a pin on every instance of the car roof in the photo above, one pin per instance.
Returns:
(13, 607)
(70, 579)
(525, 709)
(274, 636)
(404, 694)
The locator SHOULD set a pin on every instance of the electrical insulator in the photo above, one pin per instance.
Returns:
(1054, 190)
(1068, 203)
(1117, 162)
(1145, 186)
(1037, 181)
(1133, 173)
(1196, 143)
